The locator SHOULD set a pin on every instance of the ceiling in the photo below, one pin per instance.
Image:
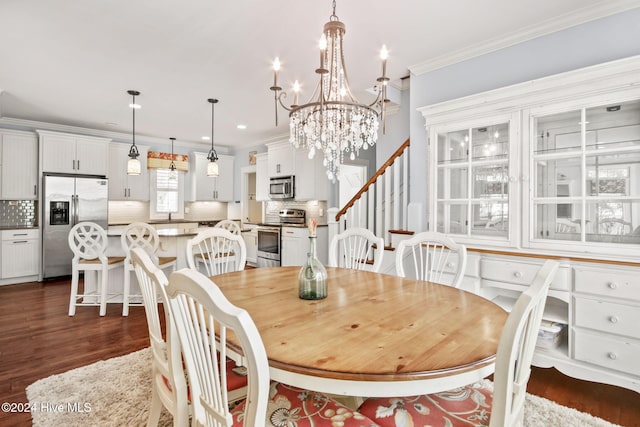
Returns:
(71, 62)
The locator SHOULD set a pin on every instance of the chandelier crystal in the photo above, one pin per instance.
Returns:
(333, 122)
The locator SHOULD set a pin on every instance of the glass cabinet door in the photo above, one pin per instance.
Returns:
(472, 181)
(586, 168)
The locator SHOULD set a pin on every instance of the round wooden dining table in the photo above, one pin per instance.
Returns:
(374, 335)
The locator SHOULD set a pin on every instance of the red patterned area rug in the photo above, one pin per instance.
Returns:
(117, 392)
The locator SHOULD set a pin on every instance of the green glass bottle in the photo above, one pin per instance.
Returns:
(312, 279)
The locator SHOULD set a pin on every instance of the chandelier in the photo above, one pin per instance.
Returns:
(333, 122)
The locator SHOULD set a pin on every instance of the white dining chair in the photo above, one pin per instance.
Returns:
(145, 236)
(218, 250)
(168, 384)
(198, 308)
(229, 225)
(88, 242)
(354, 248)
(474, 404)
(434, 257)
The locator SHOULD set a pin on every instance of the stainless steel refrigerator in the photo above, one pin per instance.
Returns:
(68, 200)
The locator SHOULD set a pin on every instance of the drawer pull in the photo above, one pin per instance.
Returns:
(517, 275)
(612, 355)
(613, 319)
(612, 285)
(450, 265)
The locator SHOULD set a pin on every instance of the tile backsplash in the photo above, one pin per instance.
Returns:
(18, 213)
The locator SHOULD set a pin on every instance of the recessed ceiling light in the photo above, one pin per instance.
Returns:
(206, 138)
(242, 127)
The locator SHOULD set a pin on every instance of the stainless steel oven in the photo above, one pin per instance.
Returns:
(268, 246)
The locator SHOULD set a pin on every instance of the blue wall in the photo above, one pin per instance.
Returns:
(603, 40)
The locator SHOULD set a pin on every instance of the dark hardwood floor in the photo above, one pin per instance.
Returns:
(38, 339)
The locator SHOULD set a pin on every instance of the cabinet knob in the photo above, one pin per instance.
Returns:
(450, 265)
(613, 319)
(612, 285)
(612, 355)
(517, 275)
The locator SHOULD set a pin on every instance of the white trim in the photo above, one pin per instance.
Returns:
(606, 78)
(37, 126)
(558, 23)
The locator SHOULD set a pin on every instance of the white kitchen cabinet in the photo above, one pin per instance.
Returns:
(206, 188)
(295, 245)
(20, 253)
(311, 179)
(74, 154)
(262, 178)
(250, 236)
(280, 159)
(19, 165)
(121, 185)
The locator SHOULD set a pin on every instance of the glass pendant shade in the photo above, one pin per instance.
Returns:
(173, 174)
(212, 169)
(133, 167)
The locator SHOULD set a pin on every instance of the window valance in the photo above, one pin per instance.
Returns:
(160, 160)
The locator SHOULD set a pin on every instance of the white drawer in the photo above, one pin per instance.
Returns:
(611, 282)
(22, 234)
(295, 232)
(521, 273)
(472, 269)
(610, 352)
(612, 318)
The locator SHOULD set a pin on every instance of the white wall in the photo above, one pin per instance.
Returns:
(595, 42)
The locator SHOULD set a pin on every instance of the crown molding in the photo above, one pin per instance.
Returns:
(121, 137)
(553, 25)
(617, 79)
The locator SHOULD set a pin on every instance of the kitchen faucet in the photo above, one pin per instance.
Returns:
(169, 216)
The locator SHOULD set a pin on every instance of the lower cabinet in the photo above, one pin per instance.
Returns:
(250, 237)
(295, 245)
(595, 305)
(20, 253)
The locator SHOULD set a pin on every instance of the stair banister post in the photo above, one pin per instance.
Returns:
(334, 226)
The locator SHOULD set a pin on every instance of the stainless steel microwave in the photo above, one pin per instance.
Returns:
(282, 187)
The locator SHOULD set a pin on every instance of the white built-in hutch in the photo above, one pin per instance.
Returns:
(551, 169)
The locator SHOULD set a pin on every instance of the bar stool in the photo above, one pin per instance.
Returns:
(88, 241)
(145, 236)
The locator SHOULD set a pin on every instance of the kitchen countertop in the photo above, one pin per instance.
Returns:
(165, 232)
(19, 227)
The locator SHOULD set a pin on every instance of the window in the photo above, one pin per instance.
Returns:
(167, 195)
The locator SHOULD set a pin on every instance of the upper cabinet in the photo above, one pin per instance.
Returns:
(552, 165)
(121, 185)
(205, 188)
(19, 165)
(280, 160)
(74, 154)
(284, 160)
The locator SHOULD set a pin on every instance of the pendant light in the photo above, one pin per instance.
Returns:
(133, 165)
(173, 172)
(212, 167)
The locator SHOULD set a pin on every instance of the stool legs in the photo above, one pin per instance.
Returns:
(74, 291)
(103, 290)
(126, 291)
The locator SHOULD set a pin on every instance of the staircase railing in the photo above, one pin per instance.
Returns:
(381, 204)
